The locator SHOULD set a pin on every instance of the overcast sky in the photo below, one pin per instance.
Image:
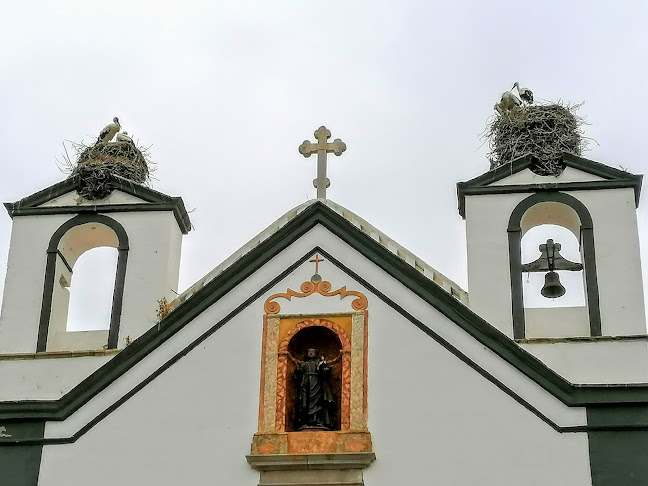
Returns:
(224, 93)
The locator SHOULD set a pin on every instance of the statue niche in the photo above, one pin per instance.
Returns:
(314, 385)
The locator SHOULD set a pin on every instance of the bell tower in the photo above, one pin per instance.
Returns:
(587, 205)
(53, 228)
(102, 204)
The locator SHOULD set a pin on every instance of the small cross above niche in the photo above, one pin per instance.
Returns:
(316, 276)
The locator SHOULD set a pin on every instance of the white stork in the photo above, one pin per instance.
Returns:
(526, 94)
(507, 103)
(123, 137)
(109, 131)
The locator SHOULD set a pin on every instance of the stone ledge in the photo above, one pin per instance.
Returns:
(582, 339)
(287, 462)
(339, 469)
(58, 354)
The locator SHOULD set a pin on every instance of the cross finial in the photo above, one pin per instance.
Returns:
(317, 260)
(322, 147)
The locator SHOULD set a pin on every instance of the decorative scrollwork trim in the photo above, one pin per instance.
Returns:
(309, 288)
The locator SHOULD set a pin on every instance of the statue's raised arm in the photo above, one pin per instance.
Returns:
(339, 357)
(293, 359)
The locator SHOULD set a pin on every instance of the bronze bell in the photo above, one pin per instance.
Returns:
(552, 288)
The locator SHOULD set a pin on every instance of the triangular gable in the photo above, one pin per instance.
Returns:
(365, 227)
(136, 198)
(72, 198)
(424, 288)
(579, 174)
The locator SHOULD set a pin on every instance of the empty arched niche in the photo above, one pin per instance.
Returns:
(91, 290)
(329, 346)
(72, 240)
(565, 220)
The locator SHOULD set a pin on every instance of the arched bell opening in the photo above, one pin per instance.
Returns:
(91, 290)
(73, 239)
(537, 286)
(328, 345)
(551, 243)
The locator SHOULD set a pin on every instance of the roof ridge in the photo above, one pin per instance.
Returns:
(389, 243)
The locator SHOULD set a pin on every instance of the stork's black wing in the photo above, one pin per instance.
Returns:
(104, 132)
(527, 95)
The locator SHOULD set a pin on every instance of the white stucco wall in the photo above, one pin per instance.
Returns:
(618, 260)
(489, 282)
(72, 199)
(433, 418)
(436, 421)
(619, 278)
(606, 362)
(552, 322)
(151, 274)
(23, 292)
(45, 379)
(153, 268)
(526, 176)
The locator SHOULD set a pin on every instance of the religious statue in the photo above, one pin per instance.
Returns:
(314, 399)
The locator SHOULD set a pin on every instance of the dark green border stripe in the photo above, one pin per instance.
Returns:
(50, 276)
(64, 260)
(71, 184)
(167, 364)
(371, 288)
(20, 466)
(318, 213)
(618, 454)
(589, 259)
(615, 179)
(183, 223)
(31, 205)
(452, 349)
(443, 342)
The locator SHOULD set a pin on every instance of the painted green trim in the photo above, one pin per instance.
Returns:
(464, 358)
(615, 179)
(618, 454)
(47, 194)
(155, 201)
(20, 466)
(68, 185)
(585, 165)
(175, 206)
(50, 276)
(64, 260)
(318, 213)
(164, 367)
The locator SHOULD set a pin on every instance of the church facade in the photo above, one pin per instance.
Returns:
(325, 353)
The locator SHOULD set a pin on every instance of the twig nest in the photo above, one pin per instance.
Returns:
(544, 131)
(96, 165)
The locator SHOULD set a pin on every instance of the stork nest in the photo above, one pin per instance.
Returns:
(544, 131)
(96, 164)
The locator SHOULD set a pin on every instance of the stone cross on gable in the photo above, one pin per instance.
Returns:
(322, 147)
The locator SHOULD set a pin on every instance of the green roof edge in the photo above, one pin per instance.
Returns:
(318, 213)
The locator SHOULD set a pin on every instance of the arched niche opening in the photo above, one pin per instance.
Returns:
(78, 238)
(567, 221)
(551, 213)
(91, 290)
(328, 345)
